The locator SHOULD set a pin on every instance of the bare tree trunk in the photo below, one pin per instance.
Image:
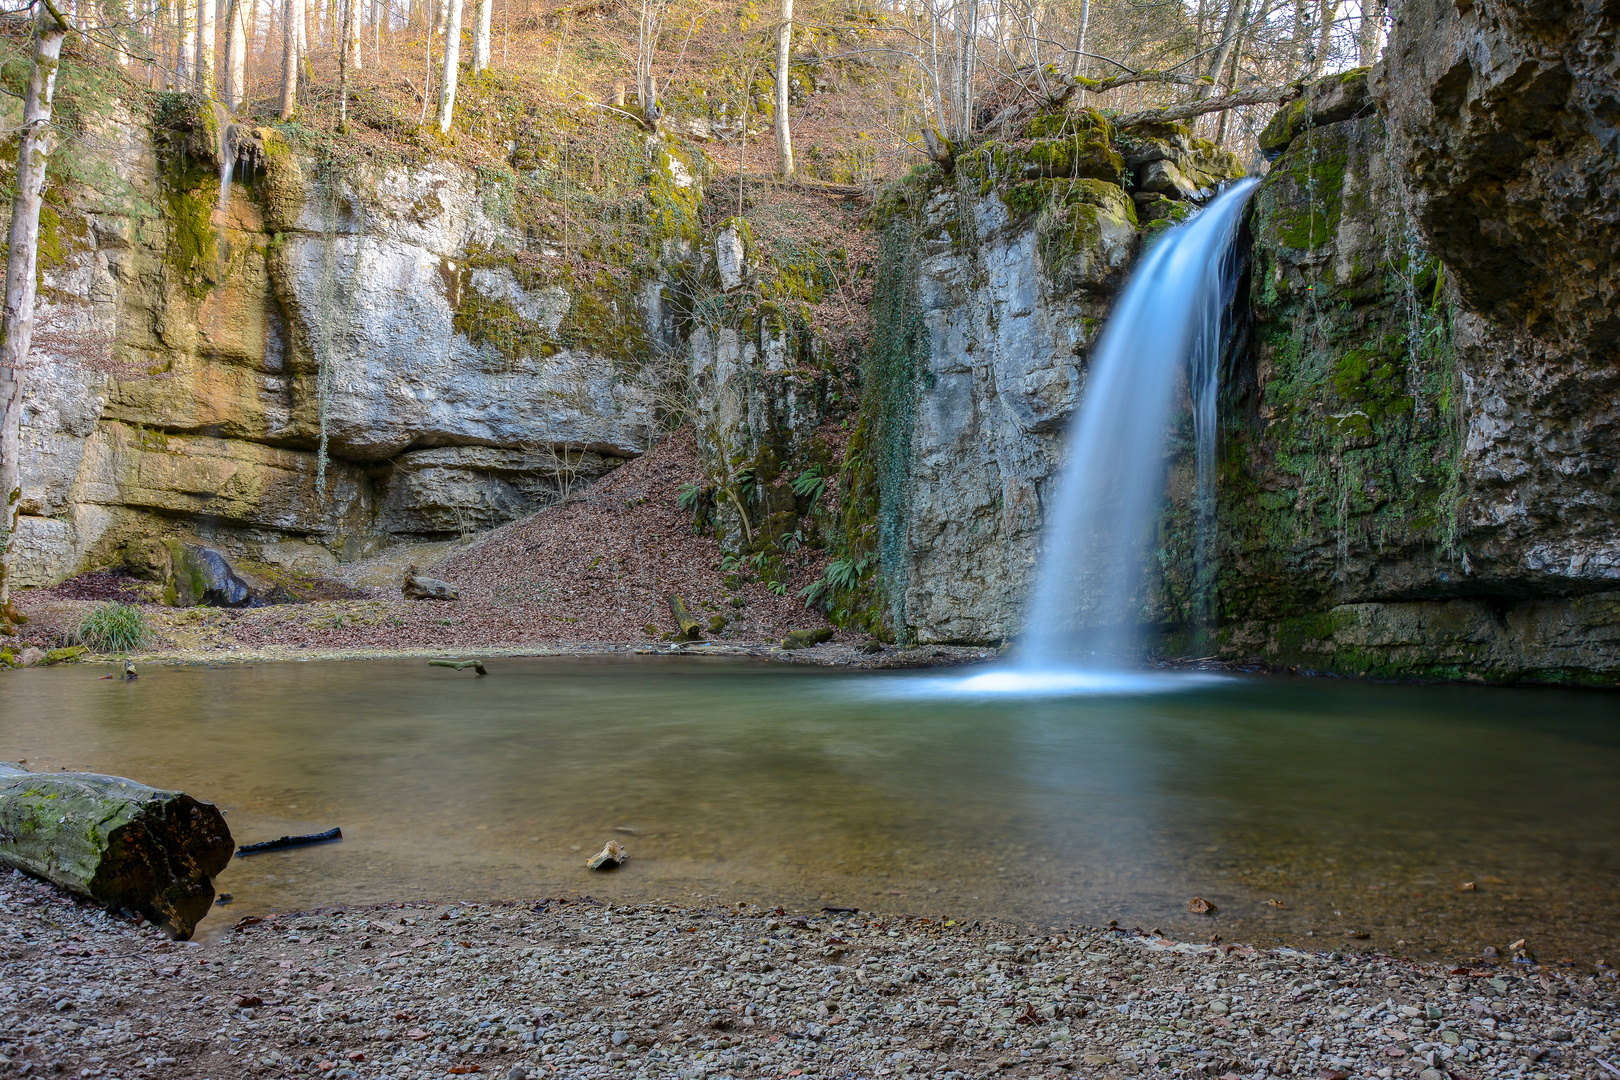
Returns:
(351, 36)
(33, 152)
(1229, 32)
(292, 14)
(350, 53)
(185, 67)
(1324, 34)
(481, 36)
(1075, 65)
(1372, 18)
(452, 64)
(784, 62)
(207, 12)
(1302, 18)
(236, 54)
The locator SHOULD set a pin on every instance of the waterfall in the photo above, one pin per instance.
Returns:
(1168, 324)
(227, 166)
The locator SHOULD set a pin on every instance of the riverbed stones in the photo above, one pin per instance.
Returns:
(546, 987)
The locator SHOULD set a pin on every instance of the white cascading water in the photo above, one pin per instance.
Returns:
(1169, 323)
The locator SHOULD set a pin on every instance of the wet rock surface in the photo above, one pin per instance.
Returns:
(580, 988)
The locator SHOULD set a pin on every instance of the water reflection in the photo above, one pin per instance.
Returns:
(1359, 808)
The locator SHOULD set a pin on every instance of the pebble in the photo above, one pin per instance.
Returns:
(654, 992)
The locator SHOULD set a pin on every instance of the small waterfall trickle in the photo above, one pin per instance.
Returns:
(1170, 320)
(228, 146)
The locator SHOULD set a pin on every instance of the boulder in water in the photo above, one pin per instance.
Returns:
(417, 587)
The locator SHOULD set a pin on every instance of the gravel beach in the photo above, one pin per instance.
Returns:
(578, 988)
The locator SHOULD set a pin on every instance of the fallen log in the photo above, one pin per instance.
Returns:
(290, 841)
(691, 629)
(1263, 95)
(460, 665)
(127, 846)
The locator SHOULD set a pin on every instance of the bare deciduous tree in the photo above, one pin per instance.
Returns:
(784, 63)
(37, 139)
(452, 65)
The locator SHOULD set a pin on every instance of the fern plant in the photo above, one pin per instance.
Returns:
(810, 484)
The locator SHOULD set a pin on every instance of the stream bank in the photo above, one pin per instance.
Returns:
(579, 988)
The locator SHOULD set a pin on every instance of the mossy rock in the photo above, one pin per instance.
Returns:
(1329, 100)
(805, 639)
(66, 656)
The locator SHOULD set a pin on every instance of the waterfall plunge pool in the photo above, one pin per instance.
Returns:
(1362, 808)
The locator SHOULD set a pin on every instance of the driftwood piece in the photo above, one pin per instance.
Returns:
(690, 628)
(611, 857)
(125, 845)
(460, 665)
(417, 587)
(290, 841)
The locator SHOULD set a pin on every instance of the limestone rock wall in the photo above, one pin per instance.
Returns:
(999, 279)
(1502, 123)
(196, 362)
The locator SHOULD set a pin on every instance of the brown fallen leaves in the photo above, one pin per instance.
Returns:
(1199, 906)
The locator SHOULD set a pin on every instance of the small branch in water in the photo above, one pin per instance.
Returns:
(291, 841)
(460, 665)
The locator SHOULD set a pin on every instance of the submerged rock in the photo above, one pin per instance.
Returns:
(611, 857)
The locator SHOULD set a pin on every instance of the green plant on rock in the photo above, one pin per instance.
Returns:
(810, 484)
(115, 628)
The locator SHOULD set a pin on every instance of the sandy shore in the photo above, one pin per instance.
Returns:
(578, 988)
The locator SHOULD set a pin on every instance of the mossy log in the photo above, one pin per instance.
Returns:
(125, 845)
(690, 628)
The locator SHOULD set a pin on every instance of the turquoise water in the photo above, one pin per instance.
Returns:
(1359, 808)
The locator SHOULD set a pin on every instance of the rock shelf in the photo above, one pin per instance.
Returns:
(578, 988)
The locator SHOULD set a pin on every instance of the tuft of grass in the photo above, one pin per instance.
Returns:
(115, 628)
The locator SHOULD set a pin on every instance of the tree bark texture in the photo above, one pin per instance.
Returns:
(235, 54)
(292, 14)
(784, 60)
(481, 36)
(207, 12)
(452, 64)
(122, 844)
(33, 152)
(349, 53)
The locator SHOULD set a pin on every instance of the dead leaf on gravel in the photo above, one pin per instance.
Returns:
(416, 1034)
(1276, 903)
(1199, 906)
(247, 1001)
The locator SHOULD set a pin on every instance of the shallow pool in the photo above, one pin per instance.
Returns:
(1307, 811)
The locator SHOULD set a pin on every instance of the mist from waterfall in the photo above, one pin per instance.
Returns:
(1168, 326)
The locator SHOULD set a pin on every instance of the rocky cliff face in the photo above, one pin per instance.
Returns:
(998, 280)
(1416, 463)
(1502, 121)
(348, 354)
